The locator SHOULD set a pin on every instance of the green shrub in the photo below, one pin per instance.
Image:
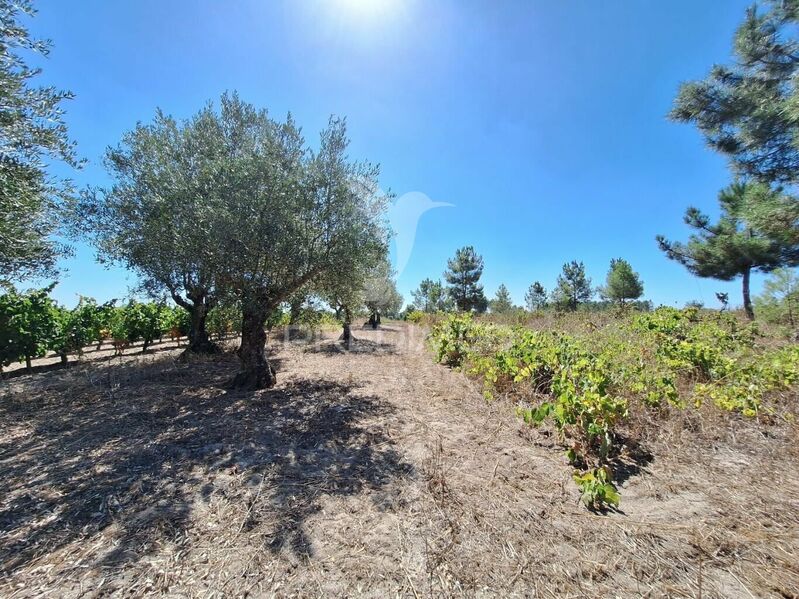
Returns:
(415, 316)
(28, 324)
(584, 381)
(452, 338)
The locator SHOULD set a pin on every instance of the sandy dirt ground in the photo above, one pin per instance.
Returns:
(371, 472)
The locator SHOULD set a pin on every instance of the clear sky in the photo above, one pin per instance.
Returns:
(543, 122)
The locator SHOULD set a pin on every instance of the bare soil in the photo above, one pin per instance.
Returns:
(371, 472)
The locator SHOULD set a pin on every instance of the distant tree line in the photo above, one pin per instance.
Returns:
(463, 291)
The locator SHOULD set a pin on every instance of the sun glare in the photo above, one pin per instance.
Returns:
(367, 10)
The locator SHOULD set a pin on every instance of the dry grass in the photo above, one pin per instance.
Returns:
(368, 472)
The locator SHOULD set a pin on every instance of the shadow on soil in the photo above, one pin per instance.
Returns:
(358, 345)
(129, 449)
(632, 462)
(89, 356)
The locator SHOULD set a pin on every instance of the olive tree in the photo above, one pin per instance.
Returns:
(158, 216)
(345, 295)
(288, 217)
(32, 134)
(380, 294)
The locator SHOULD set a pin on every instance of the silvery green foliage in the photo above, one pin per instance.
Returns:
(289, 215)
(32, 132)
(380, 292)
(157, 217)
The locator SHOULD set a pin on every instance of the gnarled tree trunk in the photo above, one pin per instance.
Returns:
(198, 307)
(374, 319)
(256, 372)
(199, 341)
(346, 335)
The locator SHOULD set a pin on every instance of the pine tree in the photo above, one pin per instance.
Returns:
(431, 297)
(462, 275)
(743, 240)
(502, 301)
(779, 301)
(572, 287)
(748, 110)
(622, 282)
(536, 297)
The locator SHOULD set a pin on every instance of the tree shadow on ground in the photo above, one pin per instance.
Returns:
(37, 369)
(88, 356)
(357, 345)
(380, 328)
(129, 450)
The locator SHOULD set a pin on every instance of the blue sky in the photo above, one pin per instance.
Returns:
(543, 122)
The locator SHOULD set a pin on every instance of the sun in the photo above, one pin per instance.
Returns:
(368, 10)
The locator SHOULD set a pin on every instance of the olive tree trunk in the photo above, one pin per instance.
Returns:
(199, 341)
(346, 335)
(198, 307)
(374, 319)
(256, 372)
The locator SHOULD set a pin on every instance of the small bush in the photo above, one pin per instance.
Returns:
(583, 381)
(415, 316)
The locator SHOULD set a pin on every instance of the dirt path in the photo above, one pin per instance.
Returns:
(372, 472)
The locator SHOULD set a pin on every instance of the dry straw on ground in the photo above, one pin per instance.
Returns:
(369, 472)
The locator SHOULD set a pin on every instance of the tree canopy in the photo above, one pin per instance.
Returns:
(32, 133)
(290, 215)
(159, 216)
(572, 287)
(622, 282)
(380, 293)
(742, 240)
(536, 297)
(431, 296)
(748, 110)
(502, 302)
(463, 276)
